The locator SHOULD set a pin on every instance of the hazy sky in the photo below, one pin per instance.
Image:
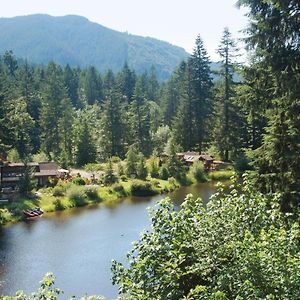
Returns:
(175, 21)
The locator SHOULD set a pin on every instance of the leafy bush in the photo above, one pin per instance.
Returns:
(183, 179)
(77, 195)
(164, 173)
(115, 159)
(109, 177)
(41, 156)
(47, 290)
(155, 183)
(13, 155)
(142, 188)
(119, 189)
(154, 167)
(173, 184)
(5, 216)
(58, 191)
(78, 180)
(121, 170)
(92, 192)
(123, 177)
(58, 205)
(141, 167)
(240, 247)
(198, 172)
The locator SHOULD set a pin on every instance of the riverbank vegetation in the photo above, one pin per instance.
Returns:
(144, 178)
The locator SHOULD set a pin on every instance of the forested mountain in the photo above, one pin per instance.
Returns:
(80, 115)
(77, 41)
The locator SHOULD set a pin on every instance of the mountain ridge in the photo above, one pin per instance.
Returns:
(75, 40)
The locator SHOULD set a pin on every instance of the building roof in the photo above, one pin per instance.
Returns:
(42, 169)
(192, 156)
(48, 166)
(206, 157)
(30, 164)
(47, 169)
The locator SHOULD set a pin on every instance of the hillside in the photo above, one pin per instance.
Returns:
(77, 41)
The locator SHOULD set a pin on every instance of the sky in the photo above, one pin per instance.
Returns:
(175, 21)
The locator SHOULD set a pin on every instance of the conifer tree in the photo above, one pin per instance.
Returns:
(65, 133)
(86, 149)
(110, 177)
(113, 126)
(126, 82)
(183, 123)
(141, 167)
(131, 161)
(202, 95)
(174, 165)
(54, 93)
(21, 125)
(230, 123)
(92, 86)
(274, 35)
(140, 120)
(71, 82)
(171, 97)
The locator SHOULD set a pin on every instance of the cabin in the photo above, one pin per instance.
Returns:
(190, 157)
(12, 173)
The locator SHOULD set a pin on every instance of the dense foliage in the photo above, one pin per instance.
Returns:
(80, 116)
(272, 93)
(239, 247)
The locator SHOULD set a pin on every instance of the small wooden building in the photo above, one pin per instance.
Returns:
(190, 157)
(12, 173)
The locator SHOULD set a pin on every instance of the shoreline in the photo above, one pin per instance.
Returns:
(86, 195)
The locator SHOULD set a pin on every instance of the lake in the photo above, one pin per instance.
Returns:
(78, 245)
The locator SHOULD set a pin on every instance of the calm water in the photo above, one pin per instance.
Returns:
(77, 245)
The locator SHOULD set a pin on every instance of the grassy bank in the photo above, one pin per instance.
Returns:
(67, 195)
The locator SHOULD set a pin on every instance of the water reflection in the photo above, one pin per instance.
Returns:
(78, 245)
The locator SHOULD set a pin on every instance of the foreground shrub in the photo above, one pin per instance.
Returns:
(47, 290)
(142, 188)
(240, 247)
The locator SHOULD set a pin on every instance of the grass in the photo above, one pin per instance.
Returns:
(68, 195)
(221, 175)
